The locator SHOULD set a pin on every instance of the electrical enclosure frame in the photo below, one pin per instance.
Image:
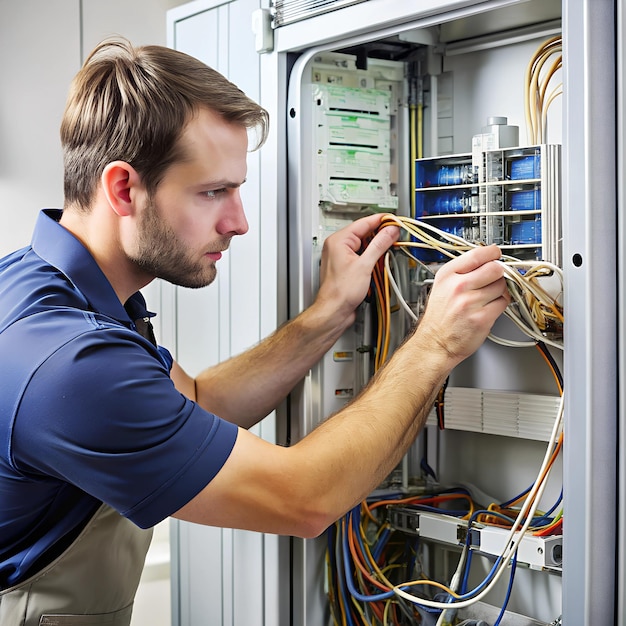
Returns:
(593, 159)
(589, 153)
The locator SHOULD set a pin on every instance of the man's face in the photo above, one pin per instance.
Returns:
(197, 209)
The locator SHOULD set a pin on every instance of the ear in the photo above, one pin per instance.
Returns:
(120, 183)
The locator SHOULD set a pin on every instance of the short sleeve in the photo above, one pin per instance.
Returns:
(103, 414)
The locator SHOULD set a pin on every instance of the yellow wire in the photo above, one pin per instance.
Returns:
(534, 87)
(412, 132)
(339, 595)
(535, 306)
(430, 583)
(420, 131)
(360, 609)
(386, 613)
(387, 301)
(383, 579)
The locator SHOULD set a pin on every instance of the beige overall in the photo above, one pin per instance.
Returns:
(91, 584)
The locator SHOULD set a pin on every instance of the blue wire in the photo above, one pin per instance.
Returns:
(342, 587)
(508, 591)
(555, 505)
(434, 509)
(525, 492)
(490, 575)
(348, 575)
(544, 349)
(541, 520)
(355, 519)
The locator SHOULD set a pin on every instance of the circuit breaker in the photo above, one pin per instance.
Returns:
(509, 196)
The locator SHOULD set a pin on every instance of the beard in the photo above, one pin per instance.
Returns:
(160, 252)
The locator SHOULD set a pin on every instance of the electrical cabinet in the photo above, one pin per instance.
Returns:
(490, 194)
(380, 106)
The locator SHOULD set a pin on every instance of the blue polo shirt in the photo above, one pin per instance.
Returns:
(88, 412)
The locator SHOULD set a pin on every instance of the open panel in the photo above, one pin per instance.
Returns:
(430, 126)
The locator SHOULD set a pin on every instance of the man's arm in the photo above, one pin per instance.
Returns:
(302, 489)
(247, 387)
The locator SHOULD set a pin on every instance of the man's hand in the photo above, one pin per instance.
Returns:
(468, 295)
(346, 269)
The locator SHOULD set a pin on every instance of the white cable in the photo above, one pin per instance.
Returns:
(510, 343)
(403, 303)
(519, 286)
(447, 615)
(511, 544)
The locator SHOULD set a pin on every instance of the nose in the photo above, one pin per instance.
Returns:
(233, 221)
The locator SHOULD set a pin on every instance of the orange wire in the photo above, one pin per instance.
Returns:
(422, 500)
(550, 530)
(553, 458)
(376, 608)
(387, 303)
(551, 367)
(359, 564)
(395, 616)
(488, 520)
(382, 323)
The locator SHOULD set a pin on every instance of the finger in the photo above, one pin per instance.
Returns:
(354, 234)
(493, 291)
(484, 275)
(365, 226)
(381, 242)
(469, 261)
(494, 308)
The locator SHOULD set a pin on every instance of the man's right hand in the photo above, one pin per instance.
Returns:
(468, 295)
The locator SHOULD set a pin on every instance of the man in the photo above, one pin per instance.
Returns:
(102, 434)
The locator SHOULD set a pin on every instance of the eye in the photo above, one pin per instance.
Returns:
(211, 194)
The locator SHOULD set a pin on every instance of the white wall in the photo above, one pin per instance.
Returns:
(42, 46)
(39, 53)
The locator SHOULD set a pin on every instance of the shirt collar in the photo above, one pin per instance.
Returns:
(58, 247)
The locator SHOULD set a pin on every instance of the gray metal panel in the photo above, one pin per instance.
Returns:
(590, 470)
(371, 17)
(219, 574)
(287, 11)
(621, 230)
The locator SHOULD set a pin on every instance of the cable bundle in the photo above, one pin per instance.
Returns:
(536, 99)
(366, 558)
(373, 571)
(534, 311)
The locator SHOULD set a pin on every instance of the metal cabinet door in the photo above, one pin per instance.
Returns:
(221, 576)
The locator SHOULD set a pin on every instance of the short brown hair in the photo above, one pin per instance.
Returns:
(132, 104)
